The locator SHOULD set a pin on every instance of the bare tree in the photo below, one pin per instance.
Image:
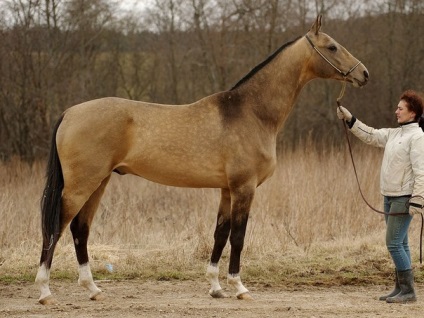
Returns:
(56, 53)
(38, 55)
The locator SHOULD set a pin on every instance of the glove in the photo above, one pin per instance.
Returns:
(416, 205)
(343, 113)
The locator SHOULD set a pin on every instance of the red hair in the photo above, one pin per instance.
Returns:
(414, 102)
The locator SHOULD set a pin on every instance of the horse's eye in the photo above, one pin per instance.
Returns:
(332, 48)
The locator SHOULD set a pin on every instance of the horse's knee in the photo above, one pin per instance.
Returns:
(238, 231)
(222, 229)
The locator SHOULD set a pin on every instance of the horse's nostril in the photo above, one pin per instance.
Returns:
(366, 74)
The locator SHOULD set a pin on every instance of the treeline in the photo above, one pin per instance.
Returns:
(57, 53)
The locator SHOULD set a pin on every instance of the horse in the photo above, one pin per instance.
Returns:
(226, 140)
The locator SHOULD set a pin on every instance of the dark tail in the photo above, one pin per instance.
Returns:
(51, 202)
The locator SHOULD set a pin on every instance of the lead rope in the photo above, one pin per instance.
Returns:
(357, 179)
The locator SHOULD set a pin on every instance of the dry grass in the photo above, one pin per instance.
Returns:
(308, 225)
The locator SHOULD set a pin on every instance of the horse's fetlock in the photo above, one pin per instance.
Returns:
(212, 271)
(235, 281)
(85, 282)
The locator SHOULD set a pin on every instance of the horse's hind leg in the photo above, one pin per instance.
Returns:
(80, 228)
(43, 274)
(69, 208)
(222, 232)
(73, 198)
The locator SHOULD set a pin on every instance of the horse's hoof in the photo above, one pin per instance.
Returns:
(218, 294)
(97, 296)
(49, 300)
(245, 296)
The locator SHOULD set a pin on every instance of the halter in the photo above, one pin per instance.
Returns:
(344, 74)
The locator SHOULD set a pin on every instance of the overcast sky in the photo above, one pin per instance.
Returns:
(134, 4)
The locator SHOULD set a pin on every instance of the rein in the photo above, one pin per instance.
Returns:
(359, 185)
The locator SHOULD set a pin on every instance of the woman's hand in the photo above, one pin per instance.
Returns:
(343, 113)
(416, 205)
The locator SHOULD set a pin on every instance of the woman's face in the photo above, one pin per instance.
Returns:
(403, 114)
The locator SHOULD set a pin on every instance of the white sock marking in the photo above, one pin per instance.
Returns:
(235, 281)
(42, 281)
(86, 280)
(212, 274)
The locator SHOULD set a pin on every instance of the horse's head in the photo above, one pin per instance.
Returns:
(331, 60)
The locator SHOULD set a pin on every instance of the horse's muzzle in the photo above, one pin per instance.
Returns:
(361, 82)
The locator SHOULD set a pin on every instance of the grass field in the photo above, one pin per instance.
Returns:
(308, 225)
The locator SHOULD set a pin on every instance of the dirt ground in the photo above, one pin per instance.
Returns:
(190, 299)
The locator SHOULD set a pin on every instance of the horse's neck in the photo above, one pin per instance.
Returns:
(275, 88)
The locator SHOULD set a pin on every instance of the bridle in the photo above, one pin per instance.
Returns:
(344, 74)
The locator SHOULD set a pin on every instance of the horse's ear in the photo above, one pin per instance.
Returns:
(317, 25)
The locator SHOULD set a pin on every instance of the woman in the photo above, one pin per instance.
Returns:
(401, 182)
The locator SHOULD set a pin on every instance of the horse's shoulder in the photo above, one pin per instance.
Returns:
(229, 104)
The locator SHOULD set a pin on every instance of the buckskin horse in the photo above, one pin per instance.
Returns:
(226, 140)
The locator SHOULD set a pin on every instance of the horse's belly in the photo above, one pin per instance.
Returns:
(192, 182)
(178, 176)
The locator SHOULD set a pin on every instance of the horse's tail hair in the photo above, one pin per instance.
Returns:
(51, 201)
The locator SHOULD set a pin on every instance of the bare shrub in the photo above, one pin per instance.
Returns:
(310, 210)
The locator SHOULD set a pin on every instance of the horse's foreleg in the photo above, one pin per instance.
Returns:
(222, 232)
(241, 203)
(80, 228)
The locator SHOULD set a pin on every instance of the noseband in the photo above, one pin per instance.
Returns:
(344, 74)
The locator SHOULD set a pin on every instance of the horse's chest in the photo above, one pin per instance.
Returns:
(266, 169)
(262, 159)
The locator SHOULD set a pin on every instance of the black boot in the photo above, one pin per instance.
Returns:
(395, 291)
(406, 284)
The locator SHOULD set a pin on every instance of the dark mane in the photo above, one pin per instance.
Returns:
(262, 64)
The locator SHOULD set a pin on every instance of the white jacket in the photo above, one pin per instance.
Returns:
(402, 169)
